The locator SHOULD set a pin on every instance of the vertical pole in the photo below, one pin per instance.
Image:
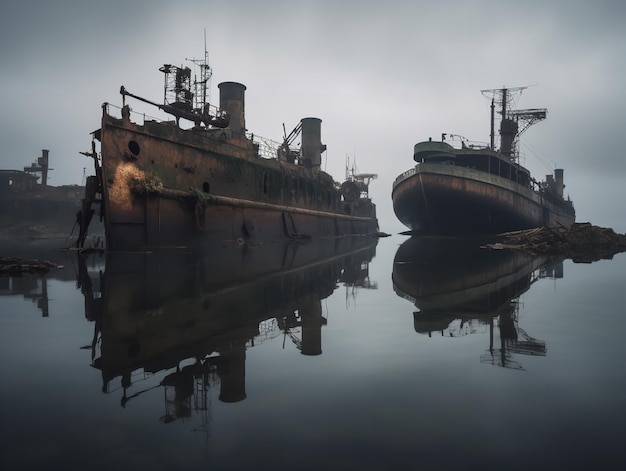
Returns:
(493, 107)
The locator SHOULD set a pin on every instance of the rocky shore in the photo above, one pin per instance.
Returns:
(21, 266)
(582, 242)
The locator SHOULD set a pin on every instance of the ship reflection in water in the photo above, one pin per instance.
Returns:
(460, 288)
(183, 322)
(34, 287)
(31, 287)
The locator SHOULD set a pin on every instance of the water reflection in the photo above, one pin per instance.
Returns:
(183, 322)
(34, 287)
(460, 288)
(30, 287)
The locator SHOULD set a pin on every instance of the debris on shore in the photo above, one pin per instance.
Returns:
(21, 266)
(582, 242)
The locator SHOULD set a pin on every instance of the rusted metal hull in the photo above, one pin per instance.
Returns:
(435, 199)
(163, 186)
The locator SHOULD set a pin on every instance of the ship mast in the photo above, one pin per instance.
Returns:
(178, 84)
(513, 122)
(180, 101)
(201, 86)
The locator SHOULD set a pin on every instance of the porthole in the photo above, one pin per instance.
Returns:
(133, 147)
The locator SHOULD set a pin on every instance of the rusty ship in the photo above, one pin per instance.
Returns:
(459, 188)
(201, 176)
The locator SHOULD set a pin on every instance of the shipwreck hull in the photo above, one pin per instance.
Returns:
(170, 221)
(164, 186)
(434, 199)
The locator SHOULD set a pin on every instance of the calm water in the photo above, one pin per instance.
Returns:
(406, 355)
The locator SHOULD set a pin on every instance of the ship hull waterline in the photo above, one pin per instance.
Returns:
(433, 199)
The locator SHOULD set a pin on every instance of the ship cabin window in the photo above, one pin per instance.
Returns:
(505, 170)
(519, 176)
(523, 178)
(440, 159)
(494, 165)
(476, 161)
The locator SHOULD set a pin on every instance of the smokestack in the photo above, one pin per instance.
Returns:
(232, 101)
(232, 372)
(312, 321)
(43, 164)
(508, 131)
(312, 142)
(558, 175)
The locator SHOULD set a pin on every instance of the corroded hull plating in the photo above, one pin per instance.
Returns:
(435, 199)
(163, 186)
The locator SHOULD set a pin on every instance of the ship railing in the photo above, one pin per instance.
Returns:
(471, 145)
(136, 117)
(404, 176)
(460, 142)
(268, 149)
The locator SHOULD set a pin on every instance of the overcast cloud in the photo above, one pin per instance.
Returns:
(381, 76)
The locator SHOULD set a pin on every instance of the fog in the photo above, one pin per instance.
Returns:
(382, 76)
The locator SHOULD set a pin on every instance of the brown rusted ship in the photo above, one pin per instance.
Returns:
(161, 184)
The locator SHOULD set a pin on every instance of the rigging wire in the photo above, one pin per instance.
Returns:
(539, 155)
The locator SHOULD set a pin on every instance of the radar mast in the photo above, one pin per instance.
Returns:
(514, 122)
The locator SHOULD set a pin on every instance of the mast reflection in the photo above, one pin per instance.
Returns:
(183, 321)
(460, 288)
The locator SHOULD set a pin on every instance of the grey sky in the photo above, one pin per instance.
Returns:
(381, 76)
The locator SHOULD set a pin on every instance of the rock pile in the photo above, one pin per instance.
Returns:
(582, 242)
(20, 266)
